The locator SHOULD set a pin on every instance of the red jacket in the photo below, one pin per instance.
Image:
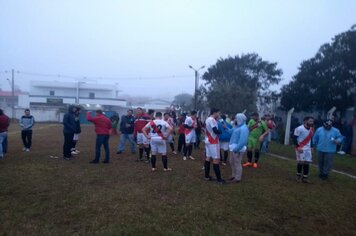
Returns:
(140, 122)
(101, 122)
(4, 123)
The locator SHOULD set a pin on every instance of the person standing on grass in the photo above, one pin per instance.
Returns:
(303, 148)
(158, 132)
(27, 122)
(198, 132)
(237, 146)
(258, 130)
(224, 138)
(69, 129)
(190, 124)
(212, 148)
(4, 125)
(170, 139)
(78, 130)
(127, 132)
(102, 129)
(141, 121)
(326, 139)
(181, 134)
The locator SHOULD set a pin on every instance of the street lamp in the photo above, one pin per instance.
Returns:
(196, 83)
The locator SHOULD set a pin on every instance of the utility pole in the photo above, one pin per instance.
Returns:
(196, 84)
(13, 93)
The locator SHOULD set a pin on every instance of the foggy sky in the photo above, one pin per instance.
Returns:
(127, 40)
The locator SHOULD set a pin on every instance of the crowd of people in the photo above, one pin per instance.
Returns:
(227, 139)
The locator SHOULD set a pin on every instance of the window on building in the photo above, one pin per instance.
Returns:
(91, 95)
(51, 93)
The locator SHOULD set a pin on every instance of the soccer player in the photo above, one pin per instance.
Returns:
(27, 122)
(170, 139)
(159, 130)
(224, 138)
(143, 144)
(102, 130)
(190, 124)
(303, 148)
(181, 132)
(258, 130)
(326, 139)
(212, 148)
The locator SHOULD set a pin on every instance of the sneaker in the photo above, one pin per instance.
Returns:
(203, 168)
(223, 163)
(191, 158)
(298, 178)
(208, 178)
(254, 165)
(341, 152)
(74, 153)
(247, 164)
(184, 158)
(168, 169)
(27, 150)
(154, 169)
(94, 162)
(221, 181)
(174, 152)
(67, 158)
(306, 180)
(147, 161)
(24, 149)
(77, 151)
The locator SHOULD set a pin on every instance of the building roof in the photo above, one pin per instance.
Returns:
(9, 93)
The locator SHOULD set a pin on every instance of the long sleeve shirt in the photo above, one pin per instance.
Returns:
(324, 139)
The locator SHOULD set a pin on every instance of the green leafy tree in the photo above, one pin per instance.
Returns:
(238, 83)
(326, 80)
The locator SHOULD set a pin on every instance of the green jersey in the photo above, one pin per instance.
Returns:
(257, 128)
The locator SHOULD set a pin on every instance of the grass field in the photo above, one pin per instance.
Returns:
(44, 196)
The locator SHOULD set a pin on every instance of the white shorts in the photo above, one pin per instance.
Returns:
(224, 146)
(170, 139)
(141, 139)
(191, 137)
(212, 150)
(158, 145)
(306, 155)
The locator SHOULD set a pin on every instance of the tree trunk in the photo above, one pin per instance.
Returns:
(353, 147)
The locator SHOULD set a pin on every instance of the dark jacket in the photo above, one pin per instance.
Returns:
(78, 129)
(69, 123)
(130, 120)
(4, 123)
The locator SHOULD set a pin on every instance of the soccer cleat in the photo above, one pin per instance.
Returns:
(247, 164)
(184, 158)
(254, 165)
(168, 169)
(191, 158)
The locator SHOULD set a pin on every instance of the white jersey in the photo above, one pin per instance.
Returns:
(191, 123)
(210, 136)
(302, 134)
(160, 125)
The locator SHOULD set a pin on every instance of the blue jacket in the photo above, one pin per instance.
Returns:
(323, 139)
(225, 132)
(239, 137)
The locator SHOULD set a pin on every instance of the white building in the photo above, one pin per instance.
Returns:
(58, 93)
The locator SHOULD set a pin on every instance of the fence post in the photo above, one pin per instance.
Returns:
(287, 131)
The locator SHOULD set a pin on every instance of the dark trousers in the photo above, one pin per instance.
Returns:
(181, 142)
(26, 136)
(68, 143)
(102, 140)
(325, 162)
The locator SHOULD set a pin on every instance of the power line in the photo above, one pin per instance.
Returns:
(101, 77)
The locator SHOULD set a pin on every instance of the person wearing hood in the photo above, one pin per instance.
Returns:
(69, 129)
(237, 146)
(326, 139)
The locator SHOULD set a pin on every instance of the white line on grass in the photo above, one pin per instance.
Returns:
(288, 159)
